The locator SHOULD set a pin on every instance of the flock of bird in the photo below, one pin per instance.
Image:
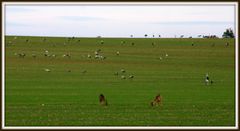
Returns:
(98, 55)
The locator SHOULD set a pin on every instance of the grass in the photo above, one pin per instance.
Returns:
(61, 98)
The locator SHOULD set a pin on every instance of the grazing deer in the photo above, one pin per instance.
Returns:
(102, 100)
(157, 101)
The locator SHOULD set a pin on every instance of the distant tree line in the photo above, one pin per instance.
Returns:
(228, 33)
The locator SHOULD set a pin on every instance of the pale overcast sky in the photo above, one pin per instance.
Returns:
(118, 20)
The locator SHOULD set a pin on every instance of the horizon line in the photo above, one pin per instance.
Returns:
(113, 37)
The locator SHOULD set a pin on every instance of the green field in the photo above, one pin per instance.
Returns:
(34, 97)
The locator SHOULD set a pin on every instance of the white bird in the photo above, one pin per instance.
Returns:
(66, 55)
(97, 56)
(47, 70)
(166, 55)
(207, 79)
(89, 56)
(131, 76)
(160, 58)
(117, 52)
(123, 77)
(102, 57)
(123, 71)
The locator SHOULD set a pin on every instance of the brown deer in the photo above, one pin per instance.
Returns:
(102, 100)
(157, 101)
